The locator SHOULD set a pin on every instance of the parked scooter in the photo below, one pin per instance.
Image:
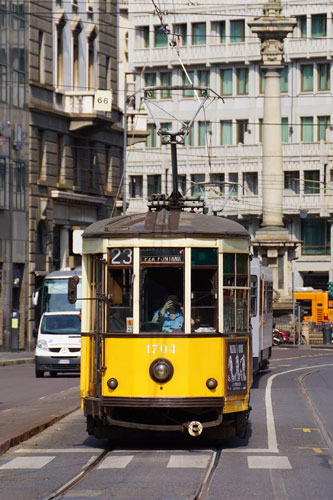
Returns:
(280, 337)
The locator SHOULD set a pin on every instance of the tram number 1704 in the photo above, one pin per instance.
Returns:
(163, 349)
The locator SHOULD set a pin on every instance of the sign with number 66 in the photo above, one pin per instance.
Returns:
(103, 100)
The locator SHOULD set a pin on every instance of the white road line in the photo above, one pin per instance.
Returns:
(270, 422)
(268, 462)
(188, 461)
(59, 450)
(27, 463)
(116, 462)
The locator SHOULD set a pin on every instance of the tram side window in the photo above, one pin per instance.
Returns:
(162, 282)
(120, 278)
(235, 292)
(253, 295)
(204, 290)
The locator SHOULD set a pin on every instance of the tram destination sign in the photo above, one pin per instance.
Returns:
(162, 255)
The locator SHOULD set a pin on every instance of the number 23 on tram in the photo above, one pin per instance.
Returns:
(139, 371)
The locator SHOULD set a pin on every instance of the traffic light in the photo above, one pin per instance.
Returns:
(72, 289)
(330, 289)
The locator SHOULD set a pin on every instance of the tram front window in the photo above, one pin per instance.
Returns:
(162, 290)
(235, 292)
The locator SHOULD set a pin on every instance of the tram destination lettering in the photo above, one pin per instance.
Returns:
(237, 369)
(160, 255)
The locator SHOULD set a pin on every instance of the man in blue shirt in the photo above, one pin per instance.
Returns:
(170, 316)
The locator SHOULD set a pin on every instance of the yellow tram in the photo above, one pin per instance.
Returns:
(140, 371)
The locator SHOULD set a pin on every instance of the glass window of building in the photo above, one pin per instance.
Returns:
(198, 33)
(189, 138)
(153, 184)
(218, 31)
(182, 184)
(135, 186)
(237, 31)
(197, 188)
(3, 182)
(233, 184)
(307, 129)
(166, 80)
(60, 54)
(301, 24)
(261, 129)
(242, 81)
(316, 237)
(318, 25)
(250, 185)
(226, 82)
(150, 81)
(219, 184)
(180, 32)
(324, 76)
(152, 137)
(241, 130)
(18, 185)
(285, 129)
(3, 83)
(306, 77)
(284, 79)
(142, 37)
(291, 182)
(204, 132)
(226, 132)
(203, 79)
(311, 182)
(160, 39)
(188, 81)
(324, 123)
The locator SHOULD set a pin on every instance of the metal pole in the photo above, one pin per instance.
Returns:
(293, 298)
(124, 153)
(174, 170)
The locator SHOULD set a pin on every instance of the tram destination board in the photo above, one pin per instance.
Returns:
(160, 255)
(237, 366)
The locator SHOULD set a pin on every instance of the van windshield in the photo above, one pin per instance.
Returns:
(66, 324)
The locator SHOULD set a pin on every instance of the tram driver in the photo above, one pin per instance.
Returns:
(170, 315)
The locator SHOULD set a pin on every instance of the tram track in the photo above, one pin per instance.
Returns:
(202, 490)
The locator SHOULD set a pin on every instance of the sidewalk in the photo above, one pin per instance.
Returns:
(16, 358)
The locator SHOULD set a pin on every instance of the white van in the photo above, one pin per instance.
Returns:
(58, 347)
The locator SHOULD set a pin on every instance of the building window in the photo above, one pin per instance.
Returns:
(237, 31)
(196, 188)
(204, 80)
(41, 155)
(311, 182)
(285, 129)
(161, 39)
(150, 81)
(198, 33)
(284, 79)
(226, 81)
(189, 138)
(2, 182)
(3, 83)
(218, 181)
(291, 181)
(226, 132)
(250, 186)
(18, 54)
(92, 167)
(306, 77)
(18, 185)
(60, 56)
(182, 184)
(76, 61)
(18, 89)
(233, 184)
(180, 32)
(142, 37)
(218, 31)
(301, 24)
(204, 131)
(307, 129)
(324, 123)
(318, 25)
(316, 237)
(91, 62)
(60, 151)
(188, 82)
(241, 129)
(166, 80)
(324, 76)
(242, 81)
(153, 184)
(107, 169)
(261, 129)
(151, 139)
(40, 60)
(135, 186)
(75, 154)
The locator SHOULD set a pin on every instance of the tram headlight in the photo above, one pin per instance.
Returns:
(161, 370)
(211, 383)
(112, 383)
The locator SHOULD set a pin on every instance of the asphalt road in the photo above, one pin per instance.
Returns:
(287, 453)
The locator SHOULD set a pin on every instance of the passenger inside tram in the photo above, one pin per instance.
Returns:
(170, 316)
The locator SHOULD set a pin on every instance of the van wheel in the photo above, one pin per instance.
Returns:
(53, 374)
(39, 373)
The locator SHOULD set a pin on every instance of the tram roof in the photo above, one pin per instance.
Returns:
(165, 224)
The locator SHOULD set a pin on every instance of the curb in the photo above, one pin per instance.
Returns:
(22, 361)
(13, 441)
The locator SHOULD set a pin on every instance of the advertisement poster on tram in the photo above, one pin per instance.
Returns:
(237, 369)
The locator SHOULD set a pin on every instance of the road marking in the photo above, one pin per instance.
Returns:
(116, 462)
(27, 463)
(283, 366)
(83, 494)
(316, 449)
(305, 429)
(59, 450)
(268, 462)
(188, 461)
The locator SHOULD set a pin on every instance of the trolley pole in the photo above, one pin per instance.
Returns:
(174, 195)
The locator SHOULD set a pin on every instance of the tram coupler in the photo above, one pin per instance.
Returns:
(194, 428)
